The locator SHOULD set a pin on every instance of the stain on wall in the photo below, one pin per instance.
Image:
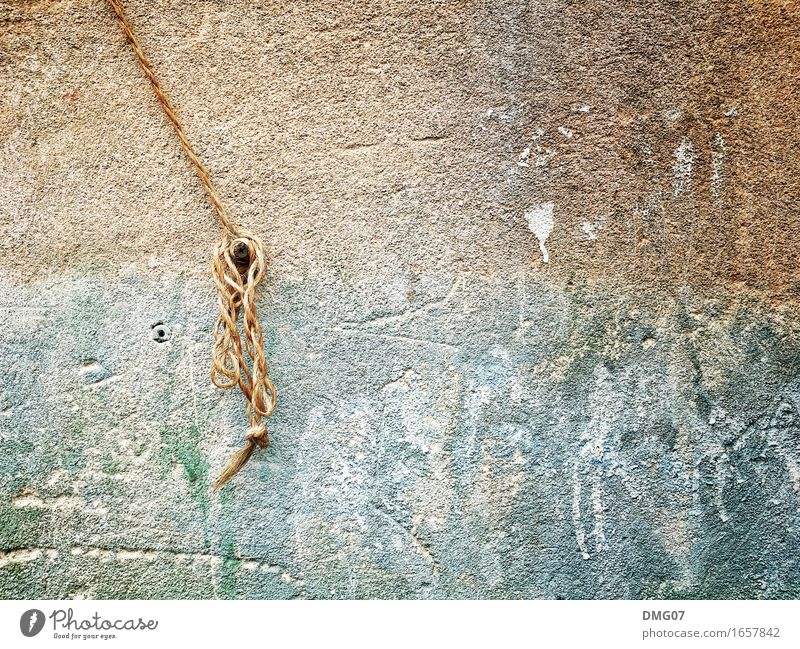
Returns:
(532, 309)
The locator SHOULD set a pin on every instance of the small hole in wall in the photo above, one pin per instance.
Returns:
(160, 332)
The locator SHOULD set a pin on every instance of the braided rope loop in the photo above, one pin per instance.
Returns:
(238, 264)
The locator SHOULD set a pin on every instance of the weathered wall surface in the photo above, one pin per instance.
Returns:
(457, 417)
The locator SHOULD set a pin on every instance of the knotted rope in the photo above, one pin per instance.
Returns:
(238, 265)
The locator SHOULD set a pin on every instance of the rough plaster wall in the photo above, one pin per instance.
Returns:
(456, 417)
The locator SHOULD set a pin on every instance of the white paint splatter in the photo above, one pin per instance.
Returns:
(30, 499)
(27, 499)
(717, 160)
(589, 229)
(565, 132)
(129, 555)
(19, 556)
(580, 533)
(599, 519)
(540, 222)
(794, 472)
(541, 155)
(594, 460)
(682, 168)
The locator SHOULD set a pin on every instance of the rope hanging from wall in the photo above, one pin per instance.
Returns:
(238, 265)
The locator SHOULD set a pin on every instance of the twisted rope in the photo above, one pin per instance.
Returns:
(238, 265)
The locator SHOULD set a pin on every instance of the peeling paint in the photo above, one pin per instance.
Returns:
(682, 167)
(540, 223)
(717, 162)
(589, 229)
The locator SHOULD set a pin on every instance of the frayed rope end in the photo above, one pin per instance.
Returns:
(256, 436)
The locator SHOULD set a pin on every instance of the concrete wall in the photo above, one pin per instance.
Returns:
(458, 416)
